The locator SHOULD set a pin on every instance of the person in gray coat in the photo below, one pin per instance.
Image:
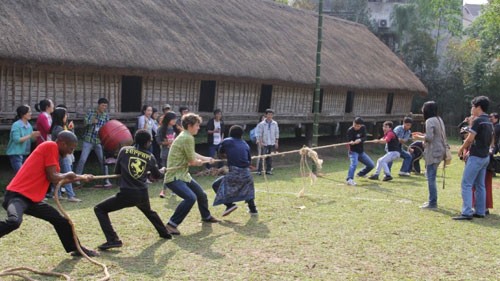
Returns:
(434, 148)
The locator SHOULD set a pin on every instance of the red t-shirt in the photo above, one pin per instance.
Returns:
(31, 180)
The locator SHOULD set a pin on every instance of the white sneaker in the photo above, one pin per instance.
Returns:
(404, 174)
(351, 182)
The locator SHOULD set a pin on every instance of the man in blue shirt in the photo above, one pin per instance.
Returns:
(403, 133)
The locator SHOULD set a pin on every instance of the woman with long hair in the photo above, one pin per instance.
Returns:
(167, 132)
(21, 137)
(44, 120)
(434, 148)
(59, 124)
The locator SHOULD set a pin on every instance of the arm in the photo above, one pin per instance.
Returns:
(210, 127)
(54, 177)
(277, 136)
(15, 135)
(467, 143)
(89, 118)
(141, 123)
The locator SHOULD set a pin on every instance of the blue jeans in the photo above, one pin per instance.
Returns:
(431, 182)
(16, 161)
(212, 152)
(87, 147)
(65, 164)
(363, 158)
(406, 166)
(474, 175)
(190, 192)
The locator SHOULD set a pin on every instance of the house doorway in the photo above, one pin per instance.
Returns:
(131, 93)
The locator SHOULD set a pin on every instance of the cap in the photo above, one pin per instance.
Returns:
(166, 106)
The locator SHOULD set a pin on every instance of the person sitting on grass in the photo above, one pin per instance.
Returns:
(133, 164)
(237, 185)
(26, 191)
(356, 135)
(392, 152)
(177, 178)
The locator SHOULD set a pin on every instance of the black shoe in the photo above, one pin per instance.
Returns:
(88, 252)
(373, 177)
(110, 244)
(426, 205)
(269, 173)
(462, 217)
(211, 220)
(259, 173)
(387, 178)
(229, 210)
(487, 212)
(478, 216)
(166, 236)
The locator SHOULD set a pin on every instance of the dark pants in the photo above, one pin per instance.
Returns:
(266, 149)
(251, 203)
(212, 152)
(18, 205)
(124, 199)
(190, 192)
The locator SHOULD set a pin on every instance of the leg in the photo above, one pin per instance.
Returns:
(100, 156)
(152, 216)
(269, 160)
(367, 161)
(16, 161)
(389, 157)
(62, 226)
(212, 151)
(406, 166)
(480, 193)
(262, 152)
(65, 164)
(215, 186)
(432, 185)
(182, 190)
(113, 203)
(489, 189)
(202, 199)
(251, 206)
(353, 158)
(86, 148)
(16, 207)
(471, 172)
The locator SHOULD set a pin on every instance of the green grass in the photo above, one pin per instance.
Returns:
(374, 231)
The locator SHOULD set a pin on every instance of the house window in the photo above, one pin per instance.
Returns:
(349, 102)
(320, 101)
(266, 92)
(388, 105)
(207, 96)
(131, 94)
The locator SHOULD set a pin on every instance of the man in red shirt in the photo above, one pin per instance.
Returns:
(27, 189)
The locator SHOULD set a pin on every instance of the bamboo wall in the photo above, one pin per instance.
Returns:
(292, 100)
(78, 91)
(174, 91)
(334, 101)
(237, 97)
(402, 104)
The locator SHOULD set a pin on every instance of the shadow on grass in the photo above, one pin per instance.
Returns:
(137, 264)
(200, 243)
(253, 227)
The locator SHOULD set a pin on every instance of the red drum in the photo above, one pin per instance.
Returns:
(114, 135)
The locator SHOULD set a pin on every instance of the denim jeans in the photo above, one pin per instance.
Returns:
(431, 183)
(474, 175)
(65, 164)
(212, 152)
(87, 147)
(363, 158)
(406, 166)
(266, 149)
(190, 192)
(16, 161)
(382, 162)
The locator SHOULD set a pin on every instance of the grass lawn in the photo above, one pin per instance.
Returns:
(373, 231)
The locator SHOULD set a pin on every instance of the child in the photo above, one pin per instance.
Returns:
(237, 185)
(133, 164)
(356, 135)
(392, 148)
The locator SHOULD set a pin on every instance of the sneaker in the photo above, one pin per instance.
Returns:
(462, 217)
(88, 252)
(229, 210)
(269, 173)
(404, 174)
(162, 194)
(74, 199)
(361, 176)
(259, 173)
(253, 213)
(110, 244)
(387, 178)
(351, 182)
(426, 205)
(211, 220)
(172, 229)
(166, 236)
(373, 177)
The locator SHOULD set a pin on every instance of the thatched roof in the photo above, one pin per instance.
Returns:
(249, 39)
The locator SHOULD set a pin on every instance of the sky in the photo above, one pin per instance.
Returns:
(475, 1)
